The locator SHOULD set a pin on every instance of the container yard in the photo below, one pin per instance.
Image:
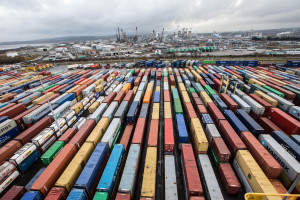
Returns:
(182, 130)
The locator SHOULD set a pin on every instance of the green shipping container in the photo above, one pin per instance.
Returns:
(195, 68)
(165, 74)
(207, 62)
(132, 71)
(48, 87)
(101, 196)
(191, 90)
(177, 105)
(273, 90)
(175, 93)
(52, 152)
(209, 90)
(297, 92)
(214, 156)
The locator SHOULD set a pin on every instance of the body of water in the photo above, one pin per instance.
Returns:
(16, 46)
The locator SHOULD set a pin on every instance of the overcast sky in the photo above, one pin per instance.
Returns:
(37, 19)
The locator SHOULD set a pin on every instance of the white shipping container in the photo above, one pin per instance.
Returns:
(241, 176)
(111, 131)
(85, 101)
(290, 165)
(210, 180)
(129, 176)
(89, 89)
(81, 121)
(138, 96)
(59, 110)
(212, 132)
(30, 98)
(239, 93)
(142, 86)
(170, 178)
(20, 155)
(255, 107)
(71, 121)
(166, 86)
(28, 118)
(42, 137)
(68, 115)
(111, 110)
(9, 180)
(86, 106)
(5, 170)
(242, 104)
(99, 112)
(179, 80)
(118, 88)
(61, 122)
(145, 79)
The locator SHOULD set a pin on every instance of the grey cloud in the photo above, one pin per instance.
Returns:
(35, 19)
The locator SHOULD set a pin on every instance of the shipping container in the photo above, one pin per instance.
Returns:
(170, 178)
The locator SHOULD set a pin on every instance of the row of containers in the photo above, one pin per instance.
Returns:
(249, 138)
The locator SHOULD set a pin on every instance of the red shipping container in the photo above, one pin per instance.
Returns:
(120, 96)
(7, 106)
(177, 73)
(166, 79)
(262, 102)
(137, 81)
(79, 90)
(57, 193)
(229, 179)
(33, 130)
(217, 83)
(284, 121)
(90, 82)
(287, 94)
(138, 135)
(218, 76)
(194, 95)
(169, 136)
(140, 74)
(51, 174)
(19, 118)
(268, 126)
(232, 105)
(14, 193)
(110, 97)
(197, 101)
(13, 111)
(53, 97)
(215, 113)
(68, 135)
(172, 80)
(153, 133)
(77, 82)
(166, 96)
(80, 137)
(264, 159)
(137, 71)
(196, 198)
(202, 82)
(231, 138)
(192, 178)
(129, 96)
(126, 136)
(123, 196)
(9, 149)
(201, 110)
(190, 111)
(221, 149)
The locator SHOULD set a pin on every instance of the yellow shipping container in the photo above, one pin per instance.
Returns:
(267, 98)
(278, 81)
(135, 88)
(254, 175)
(42, 98)
(199, 137)
(72, 172)
(157, 88)
(289, 72)
(149, 177)
(170, 70)
(143, 70)
(79, 97)
(6, 95)
(72, 89)
(99, 88)
(254, 81)
(205, 97)
(101, 80)
(186, 70)
(185, 97)
(126, 87)
(167, 110)
(94, 106)
(77, 107)
(97, 82)
(198, 71)
(150, 86)
(98, 131)
(172, 87)
(155, 112)
(181, 87)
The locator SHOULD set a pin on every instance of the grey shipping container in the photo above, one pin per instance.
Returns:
(255, 107)
(111, 132)
(283, 104)
(242, 104)
(295, 112)
(211, 132)
(241, 176)
(122, 110)
(99, 112)
(170, 178)
(111, 110)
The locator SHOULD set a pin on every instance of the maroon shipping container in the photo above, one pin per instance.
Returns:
(13, 111)
(215, 113)
(120, 96)
(190, 111)
(172, 80)
(57, 193)
(9, 149)
(79, 90)
(232, 105)
(129, 96)
(158, 75)
(110, 98)
(221, 149)
(126, 136)
(137, 71)
(262, 102)
(137, 81)
(50, 99)
(19, 118)
(51, 174)
(231, 138)
(192, 178)
(123, 196)
(197, 101)
(254, 115)
(229, 179)
(7, 106)
(264, 159)
(201, 110)
(153, 133)
(33, 130)
(284, 121)
(166, 96)
(140, 74)
(68, 135)
(138, 135)
(194, 95)
(268, 126)
(14, 193)
(80, 137)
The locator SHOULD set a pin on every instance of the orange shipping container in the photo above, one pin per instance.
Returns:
(147, 97)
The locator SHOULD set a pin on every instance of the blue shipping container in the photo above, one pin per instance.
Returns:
(144, 110)
(9, 135)
(131, 115)
(28, 162)
(156, 96)
(182, 131)
(218, 101)
(249, 122)
(236, 124)
(78, 194)
(32, 195)
(206, 119)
